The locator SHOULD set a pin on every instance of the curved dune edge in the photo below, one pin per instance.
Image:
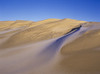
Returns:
(84, 52)
(43, 31)
(51, 46)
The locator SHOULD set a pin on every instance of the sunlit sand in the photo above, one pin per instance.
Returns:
(52, 46)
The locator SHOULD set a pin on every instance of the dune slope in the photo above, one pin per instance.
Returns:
(41, 32)
(52, 46)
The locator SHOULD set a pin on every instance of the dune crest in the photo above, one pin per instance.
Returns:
(52, 46)
(41, 32)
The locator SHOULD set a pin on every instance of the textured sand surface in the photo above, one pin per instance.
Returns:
(52, 46)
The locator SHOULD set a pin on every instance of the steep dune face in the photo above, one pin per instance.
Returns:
(42, 32)
(89, 40)
(84, 51)
(51, 46)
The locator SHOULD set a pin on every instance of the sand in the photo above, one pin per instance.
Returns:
(52, 46)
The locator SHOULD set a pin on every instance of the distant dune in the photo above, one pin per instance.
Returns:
(51, 46)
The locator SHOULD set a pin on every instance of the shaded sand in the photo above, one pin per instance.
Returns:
(51, 46)
(42, 32)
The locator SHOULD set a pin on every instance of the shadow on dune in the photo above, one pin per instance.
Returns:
(78, 49)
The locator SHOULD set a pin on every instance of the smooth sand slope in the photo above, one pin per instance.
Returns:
(52, 46)
(42, 31)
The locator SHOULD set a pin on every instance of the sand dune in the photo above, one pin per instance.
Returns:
(42, 32)
(52, 46)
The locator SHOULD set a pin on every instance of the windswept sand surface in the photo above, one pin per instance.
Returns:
(51, 46)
